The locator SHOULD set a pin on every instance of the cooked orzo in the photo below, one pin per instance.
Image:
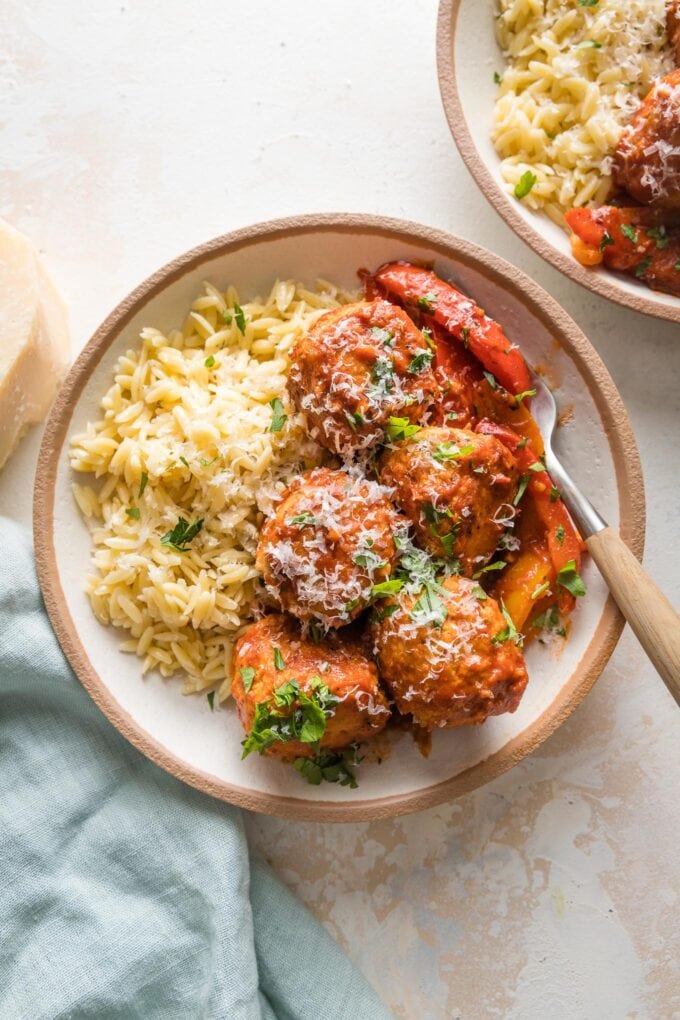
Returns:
(195, 443)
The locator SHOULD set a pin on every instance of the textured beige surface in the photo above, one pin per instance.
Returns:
(129, 134)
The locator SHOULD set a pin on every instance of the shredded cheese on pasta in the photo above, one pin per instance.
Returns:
(575, 73)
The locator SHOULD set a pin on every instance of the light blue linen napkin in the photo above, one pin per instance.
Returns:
(124, 893)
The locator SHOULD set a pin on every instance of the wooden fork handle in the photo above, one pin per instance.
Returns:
(647, 610)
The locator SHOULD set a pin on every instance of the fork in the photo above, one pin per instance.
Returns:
(649, 613)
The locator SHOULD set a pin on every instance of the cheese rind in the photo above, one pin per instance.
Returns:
(34, 339)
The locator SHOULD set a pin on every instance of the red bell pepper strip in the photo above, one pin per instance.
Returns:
(421, 289)
(644, 243)
(564, 542)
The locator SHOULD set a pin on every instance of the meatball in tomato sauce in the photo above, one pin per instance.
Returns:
(448, 656)
(357, 367)
(277, 672)
(330, 541)
(456, 488)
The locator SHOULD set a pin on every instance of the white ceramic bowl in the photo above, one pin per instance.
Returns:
(467, 57)
(203, 748)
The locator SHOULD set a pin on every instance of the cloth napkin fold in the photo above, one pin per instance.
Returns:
(124, 893)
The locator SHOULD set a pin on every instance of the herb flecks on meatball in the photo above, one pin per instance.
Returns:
(357, 367)
(456, 487)
(303, 700)
(448, 654)
(330, 542)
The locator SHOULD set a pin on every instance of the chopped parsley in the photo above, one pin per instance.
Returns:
(525, 184)
(568, 577)
(496, 565)
(207, 463)
(555, 494)
(588, 3)
(521, 489)
(491, 379)
(520, 397)
(142, 484)
(429, 608)
(628, 231)
(539, 590)
(382, 372)
(497, 78)
(479, 593)
(247, 676)
(134, 512)
(420, 362)
(559, 535)
(607, 239)
(330, 767)
(383, 612)
(355, 419)
(401, 428)
(427, 337)
(465, 335)
(185, 462)
(451, 451)
(383, 336)
(211, 700)
(183, 533)
(427, 302)
(659, 235)
(589, 44)
(278, 659)
(302, 519)
(240, 319)
(391, 587)
(550, 621)
(209, 361)
(509, 632)
(370, 560)
(292, 714)
(279, 419)
(643, 266)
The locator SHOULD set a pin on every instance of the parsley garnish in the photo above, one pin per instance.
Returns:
(209, 361)
(429, 608)
(279, 419)
(509, 632)
(391, 587)
(427, 337)
(607, 239)
(421, 361)
(369, 560)
(659, 235)
(134, 512)
(383, 336)
(329, 766)
(451, 451)
(185, 462)
(521, 489)
(278, 659)
(539, 590)
(497, 565)
(247, 676)
(383, 612)
(497, 78)
(240, 317)
(479, 593)
(549, 620)
(525, 184)
(211, 700)
(491, 379)
(570, 579)
(355, 419)
(292, 714)
(383, 372)
(142, 484)
(537, 466)
(302, 519)
(427, 302)
(559, 534)
(628, 231)
(642, 268)
(401, 428)
(554, 494)
(183, 533)
(588, 3)
(589, 44)
(519, 397)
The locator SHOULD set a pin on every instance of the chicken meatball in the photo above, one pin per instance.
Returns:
(331, 539)
(647, 159)
(278, 673)
(456, 488)
(357, 367)
(448, 655)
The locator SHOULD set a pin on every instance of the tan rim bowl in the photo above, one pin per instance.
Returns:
(467, 56)
(178, 733)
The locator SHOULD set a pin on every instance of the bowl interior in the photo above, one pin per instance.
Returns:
(469, 55)
(181, 732)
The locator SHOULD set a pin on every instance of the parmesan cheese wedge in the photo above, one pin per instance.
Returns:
(34, 339)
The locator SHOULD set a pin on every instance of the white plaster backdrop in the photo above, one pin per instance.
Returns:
(130, 131)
